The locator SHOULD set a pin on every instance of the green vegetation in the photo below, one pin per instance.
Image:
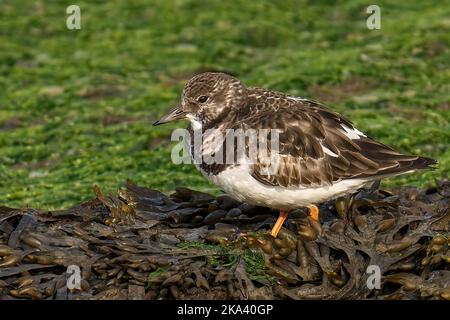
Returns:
(229, 255)
(199, 245)
(76, 106)
(221, 256)
(156, 273)
(255, 266)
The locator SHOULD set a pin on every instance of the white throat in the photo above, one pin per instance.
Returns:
(196, 124)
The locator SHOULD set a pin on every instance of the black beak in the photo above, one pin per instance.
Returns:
(174, 114)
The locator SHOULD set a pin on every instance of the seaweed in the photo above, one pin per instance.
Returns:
(139, 243)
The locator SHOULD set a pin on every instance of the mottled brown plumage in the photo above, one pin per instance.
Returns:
(320, 152)
(306, 127)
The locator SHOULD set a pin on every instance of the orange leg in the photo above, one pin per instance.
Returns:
(277, 227)
(313, 212)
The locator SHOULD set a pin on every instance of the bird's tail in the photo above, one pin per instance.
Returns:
(407, 166)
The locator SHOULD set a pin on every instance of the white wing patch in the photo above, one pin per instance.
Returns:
(328, 151)
(297, 98)
(352, 133)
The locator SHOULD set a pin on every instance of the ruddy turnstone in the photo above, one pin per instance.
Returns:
(321, 155)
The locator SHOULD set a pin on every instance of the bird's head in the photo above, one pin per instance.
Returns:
(208, 97)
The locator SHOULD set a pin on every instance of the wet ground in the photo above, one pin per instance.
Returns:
(141, 244)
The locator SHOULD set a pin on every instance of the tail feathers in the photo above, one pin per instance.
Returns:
(405, 166)
(424, 163)
(389, 161)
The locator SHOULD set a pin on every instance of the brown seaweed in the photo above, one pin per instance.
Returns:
(143, 244)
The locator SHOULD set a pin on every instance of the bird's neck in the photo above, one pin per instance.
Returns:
(205, 122)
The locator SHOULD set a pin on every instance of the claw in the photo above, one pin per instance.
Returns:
(313, 212)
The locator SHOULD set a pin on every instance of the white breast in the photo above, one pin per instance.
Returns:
(238, 183)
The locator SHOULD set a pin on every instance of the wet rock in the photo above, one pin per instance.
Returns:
(196, 198)
(226, 202)
(215, 217)
(248, 209)
(169, 239)
(233, 213)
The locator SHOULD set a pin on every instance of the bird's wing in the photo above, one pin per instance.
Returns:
(318, 146)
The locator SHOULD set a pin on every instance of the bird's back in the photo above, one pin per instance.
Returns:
(316, 145)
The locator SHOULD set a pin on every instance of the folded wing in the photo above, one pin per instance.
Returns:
(318, 147)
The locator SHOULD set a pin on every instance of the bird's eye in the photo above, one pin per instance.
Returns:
(202, 99)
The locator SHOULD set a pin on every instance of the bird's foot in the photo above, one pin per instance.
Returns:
(313, 212)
